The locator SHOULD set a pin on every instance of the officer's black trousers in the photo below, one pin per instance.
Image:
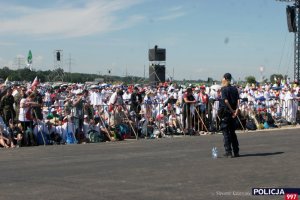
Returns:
(230, 139)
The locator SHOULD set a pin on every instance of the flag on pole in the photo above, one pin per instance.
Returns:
(35, 83)
(29, 57)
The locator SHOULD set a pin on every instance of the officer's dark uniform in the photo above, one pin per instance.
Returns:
(227, 121)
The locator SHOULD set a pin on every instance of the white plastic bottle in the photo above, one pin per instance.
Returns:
(214, 152)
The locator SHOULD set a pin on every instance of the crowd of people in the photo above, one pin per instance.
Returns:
(69, 113)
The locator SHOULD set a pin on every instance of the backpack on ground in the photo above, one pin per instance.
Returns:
(95, 136)
(250, 125)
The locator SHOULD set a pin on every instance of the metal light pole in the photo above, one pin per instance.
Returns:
(261, 69)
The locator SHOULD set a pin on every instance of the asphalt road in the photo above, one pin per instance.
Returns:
(168, 168)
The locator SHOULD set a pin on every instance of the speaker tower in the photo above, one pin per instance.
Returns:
(157, 65)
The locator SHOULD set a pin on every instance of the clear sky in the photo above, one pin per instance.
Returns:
(203, 38)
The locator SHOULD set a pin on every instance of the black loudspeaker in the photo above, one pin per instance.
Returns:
(291, 18)
(157, 54)
(58, 56)
(157, 74)
(151, 55)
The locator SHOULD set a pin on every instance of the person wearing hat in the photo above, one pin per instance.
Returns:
(228, 111)
(188, 103)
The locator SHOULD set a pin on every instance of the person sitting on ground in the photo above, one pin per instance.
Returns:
(4, 141)
(119, 121)
(150, 128)
(15, 132)
(104, 128)
(173, 125)
(268, 120)
(55, 137)
(67, 130)
(93, 131)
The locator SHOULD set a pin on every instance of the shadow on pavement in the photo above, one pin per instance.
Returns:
(261, 154)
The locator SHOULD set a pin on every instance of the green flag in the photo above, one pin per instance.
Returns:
(29, 57)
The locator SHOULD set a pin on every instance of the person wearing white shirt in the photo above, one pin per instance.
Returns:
(180, 96)
(291, 106)
(126, 97)
(86, 126)
(95, 97)
(47, 98)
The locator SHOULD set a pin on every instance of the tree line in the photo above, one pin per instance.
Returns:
(25, 74)
(274, 78)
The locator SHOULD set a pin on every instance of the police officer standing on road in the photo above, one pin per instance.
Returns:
(228, 111)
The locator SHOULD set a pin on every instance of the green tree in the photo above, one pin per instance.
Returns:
(275, 76)
(25, 74)
(250, 79)
(210, 80)
(5, 72)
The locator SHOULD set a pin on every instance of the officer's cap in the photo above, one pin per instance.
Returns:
(227, 76)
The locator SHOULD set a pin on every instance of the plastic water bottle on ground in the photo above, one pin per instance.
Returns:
(214, 152)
